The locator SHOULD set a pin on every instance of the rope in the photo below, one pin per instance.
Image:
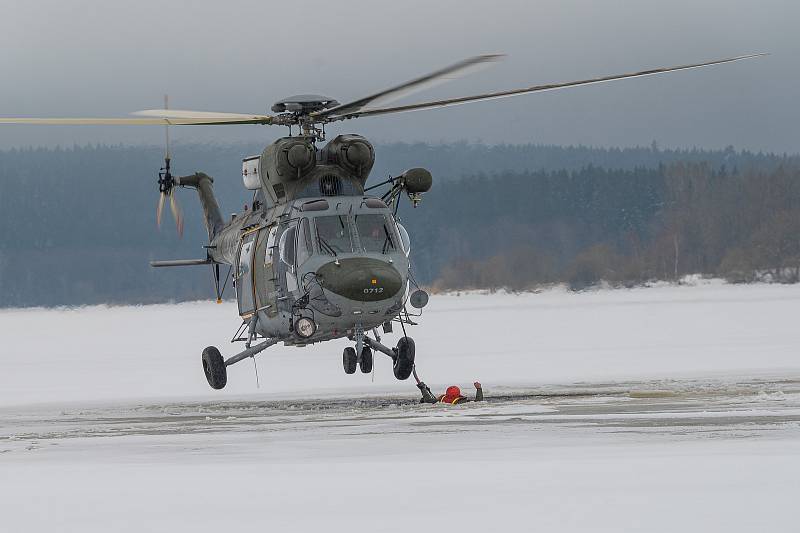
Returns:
(255, 366)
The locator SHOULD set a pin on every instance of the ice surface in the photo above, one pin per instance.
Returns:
(661, 409)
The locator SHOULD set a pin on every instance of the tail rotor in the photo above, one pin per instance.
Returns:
(166, 186)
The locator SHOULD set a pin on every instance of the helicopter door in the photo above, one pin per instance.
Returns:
(244, 275)
(265, 282)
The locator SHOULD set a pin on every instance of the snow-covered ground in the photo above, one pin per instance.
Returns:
(650, 409)
(131, 353)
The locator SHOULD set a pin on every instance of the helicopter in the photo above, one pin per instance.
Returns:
(318, 255)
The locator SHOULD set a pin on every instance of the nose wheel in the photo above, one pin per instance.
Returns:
(349, 360)
(365, 362)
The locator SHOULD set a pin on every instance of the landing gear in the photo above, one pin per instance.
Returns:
(404, 358)
(349, 360)
(214, 368)
(365, 363)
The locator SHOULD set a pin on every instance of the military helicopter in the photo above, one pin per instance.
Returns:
(318, 256)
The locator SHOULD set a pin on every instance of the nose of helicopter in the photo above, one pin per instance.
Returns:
(361, 279)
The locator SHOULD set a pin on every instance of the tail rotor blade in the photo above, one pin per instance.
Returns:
(177, 213)
(160, 208)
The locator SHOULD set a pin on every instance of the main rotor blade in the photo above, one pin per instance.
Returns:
(167, 156)
(386, 96)
(151, 117)
(84, 121)
(536, 88)
(182, 116)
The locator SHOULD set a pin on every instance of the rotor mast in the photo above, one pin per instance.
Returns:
(300, 110)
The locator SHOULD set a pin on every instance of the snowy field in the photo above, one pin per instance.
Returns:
(660, 409)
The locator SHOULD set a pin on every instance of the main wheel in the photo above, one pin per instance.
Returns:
(404, 361)
(214, 368)
(349, 360)
(366, 360)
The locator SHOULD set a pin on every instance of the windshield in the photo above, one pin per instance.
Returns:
(333, 234)
(375, 233)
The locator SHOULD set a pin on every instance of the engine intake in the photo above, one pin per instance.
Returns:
(352, 153)
(293, 158)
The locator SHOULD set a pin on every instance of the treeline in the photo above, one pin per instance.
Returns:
(77, 225)
(622, 227)
(455, 160)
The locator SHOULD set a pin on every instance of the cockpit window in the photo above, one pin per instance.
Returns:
(375, 234)
(333, 234)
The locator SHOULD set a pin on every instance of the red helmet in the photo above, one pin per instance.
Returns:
(453, 392)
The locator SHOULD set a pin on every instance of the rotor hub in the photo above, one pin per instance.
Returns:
(303, 104)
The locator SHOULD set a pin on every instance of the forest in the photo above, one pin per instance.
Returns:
(78, 224)
(622, 227)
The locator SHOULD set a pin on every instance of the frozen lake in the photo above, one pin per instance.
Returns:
(651, 409)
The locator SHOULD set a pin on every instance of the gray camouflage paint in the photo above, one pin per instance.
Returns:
(349, 290)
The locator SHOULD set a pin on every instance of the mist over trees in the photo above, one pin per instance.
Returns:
(78, 225)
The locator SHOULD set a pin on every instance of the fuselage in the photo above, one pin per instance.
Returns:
(341, 261)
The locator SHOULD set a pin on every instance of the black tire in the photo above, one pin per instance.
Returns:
(366, 360)
(214, 368)
(404, 361)
(349, 360)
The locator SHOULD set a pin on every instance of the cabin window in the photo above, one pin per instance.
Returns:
(287, 246)
(305, 248)
(376, 234)
(269, 252)
(333, 234)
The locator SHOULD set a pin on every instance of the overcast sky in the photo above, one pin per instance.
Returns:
(107, 58)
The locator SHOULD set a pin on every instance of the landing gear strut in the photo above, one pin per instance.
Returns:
(402, 356)
(216, 368)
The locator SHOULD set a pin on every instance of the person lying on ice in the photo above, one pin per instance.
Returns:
(452, 395)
